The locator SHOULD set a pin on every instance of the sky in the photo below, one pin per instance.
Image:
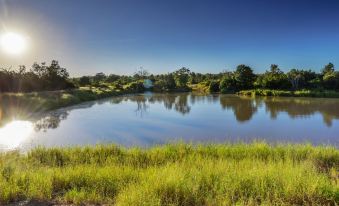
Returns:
(120, 36)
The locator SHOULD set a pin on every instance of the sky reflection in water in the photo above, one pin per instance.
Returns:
(150, 119)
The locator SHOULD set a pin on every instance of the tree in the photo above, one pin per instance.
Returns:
(39, 77)
(331, 80)
(301, 78)
(244, 77)
(165, 82)
(141, 74)
(181, 77)
(214, 86)
(112, 78)
(84, 81)
(330, 77)
(99, 77)
(228, 83)
(328, 68)
(273, 79)
(52, 77)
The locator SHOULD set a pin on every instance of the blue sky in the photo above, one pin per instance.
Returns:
(89, 36)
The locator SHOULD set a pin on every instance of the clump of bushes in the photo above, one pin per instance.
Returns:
(137, 86)
(298, 93)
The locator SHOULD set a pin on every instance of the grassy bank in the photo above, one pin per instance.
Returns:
(21, 105)
(55, 99)
(284, 93)
(181, 174)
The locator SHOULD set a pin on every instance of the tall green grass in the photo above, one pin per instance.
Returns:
(177, 174)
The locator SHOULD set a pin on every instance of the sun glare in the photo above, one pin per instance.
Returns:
(13, 43)
(14, 133)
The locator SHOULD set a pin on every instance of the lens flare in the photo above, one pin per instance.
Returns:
(14, 133)
(13, 43)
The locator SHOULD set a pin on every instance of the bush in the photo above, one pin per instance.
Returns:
(137, 86)
(228, 84)
(214, 86)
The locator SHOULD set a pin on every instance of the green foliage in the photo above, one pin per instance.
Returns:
(303, 79)
(297, 93)
(329, 68)
(112, 78)
(54, 77)
(165, 83)
(178, 174)
(84, 81)
(228, 83)
(137, 86)
(99, 77)
(40, 77)
(181, 77)
(273, 79)
(202, 87)
(331, 80)
(244, 77)
(214, 86)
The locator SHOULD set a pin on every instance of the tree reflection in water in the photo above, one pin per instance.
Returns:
(178, 102)
(303, 107)
(244, 108)
(51, 121)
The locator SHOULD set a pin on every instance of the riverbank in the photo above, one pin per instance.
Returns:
(285, 93)
(55, 99)
(181, 174)
(25, 104)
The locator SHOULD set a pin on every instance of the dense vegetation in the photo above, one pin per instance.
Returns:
(40, 77)
(181, 174)
(243, 78)
(53, 77)
(285, 93)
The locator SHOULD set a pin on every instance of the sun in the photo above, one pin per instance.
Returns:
(13, 43)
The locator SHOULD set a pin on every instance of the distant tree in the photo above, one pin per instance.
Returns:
(84, 81)
(181, 77)
(192, 78)
(52, 77)
(99, 77)
(112, 78)
(331, 80)
(141, 74)
(39, 77)
(165, 82)
(330, 77)
(328, 68)
(273, 79)
(301, 78)
(228, 83)
(244, 77)
(214, 86)
(136, 86)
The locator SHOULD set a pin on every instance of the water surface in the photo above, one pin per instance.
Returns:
(149, 119)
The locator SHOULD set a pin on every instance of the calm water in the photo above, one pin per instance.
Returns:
(150, 119)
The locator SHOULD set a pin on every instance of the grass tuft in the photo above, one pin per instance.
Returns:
(174, 174)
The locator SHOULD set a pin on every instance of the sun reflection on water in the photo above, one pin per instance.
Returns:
(14, 133)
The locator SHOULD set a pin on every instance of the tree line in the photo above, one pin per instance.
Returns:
(242, 78)
(274, 78)
(42, 77)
